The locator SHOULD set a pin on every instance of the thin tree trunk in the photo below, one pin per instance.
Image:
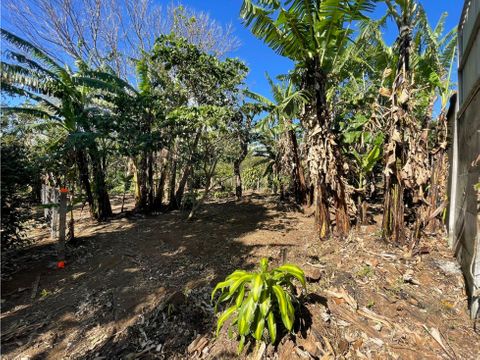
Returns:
(188, 169)
(173, 205)
(123, 201)
(104, 209)
(150, 182)
(238, 179)
(82, 164)
(322, 215)
(299, 176)
(393, 225)
(236, 167)
(159, 194)
(207, 190)
(142, 174)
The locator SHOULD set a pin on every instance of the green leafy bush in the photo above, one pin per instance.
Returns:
(258, 300)
(17, 176)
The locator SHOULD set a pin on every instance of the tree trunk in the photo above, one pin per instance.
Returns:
(104, 209)
(150, 182)
(82, 164)
(238, 179)
(159, 194)
(236, 166)
(324, 158)
(188, 169)
(300, 185)
(142, 170)
(173, 205)
(197, 205)
(362, 218)
(395, 153)
(322, 215)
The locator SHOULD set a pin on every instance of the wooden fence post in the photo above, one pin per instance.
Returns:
(53, 201)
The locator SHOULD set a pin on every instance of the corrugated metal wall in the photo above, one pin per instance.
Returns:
(464, 221)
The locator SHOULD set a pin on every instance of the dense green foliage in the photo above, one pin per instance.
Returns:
(352, 115)
(17, 176)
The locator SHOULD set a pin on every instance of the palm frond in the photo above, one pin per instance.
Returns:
(31, 49)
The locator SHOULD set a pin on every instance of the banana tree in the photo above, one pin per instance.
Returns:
(365, 148)
(314, 34)
(285, 107)
(267, 150)
(435, 63)
(62, 100)
(421, 55)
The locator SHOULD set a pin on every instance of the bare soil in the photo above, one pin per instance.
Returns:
(138, 288)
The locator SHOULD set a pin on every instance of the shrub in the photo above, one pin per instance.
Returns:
(16, 170)
(259, 299)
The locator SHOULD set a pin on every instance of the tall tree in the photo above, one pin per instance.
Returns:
(314, 34)
(423, 62)
(61, 99)
(111, 32)
(242, 124)
(283, 110)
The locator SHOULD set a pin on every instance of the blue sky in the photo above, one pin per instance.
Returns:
(260, 58)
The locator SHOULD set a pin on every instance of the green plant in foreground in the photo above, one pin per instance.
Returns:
(258, 299)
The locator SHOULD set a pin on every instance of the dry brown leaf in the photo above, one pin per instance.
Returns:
(342, 294)
(385, 92)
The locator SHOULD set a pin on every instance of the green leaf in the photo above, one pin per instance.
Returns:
(219, 286)
(260, 325)
(236, 274)
(272, 326)
(221, 299)
(257, 286)
(241, 344)
(283, 304)
(225, 315)
(293, 270)
(265, 303)
(239, 282)
(245, 316)
(372, 158)
(240, 297)
(264, 264)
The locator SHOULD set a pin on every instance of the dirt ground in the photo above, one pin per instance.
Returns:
(139, 287)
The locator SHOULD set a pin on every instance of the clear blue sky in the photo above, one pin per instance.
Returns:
(260, 58)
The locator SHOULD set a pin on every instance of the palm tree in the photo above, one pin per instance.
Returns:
(62, 100)
(315, 35)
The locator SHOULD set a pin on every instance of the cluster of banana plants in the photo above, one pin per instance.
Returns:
(259, 300)
(364, 149)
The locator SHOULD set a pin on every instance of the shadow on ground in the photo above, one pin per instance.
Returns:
(120, 275)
